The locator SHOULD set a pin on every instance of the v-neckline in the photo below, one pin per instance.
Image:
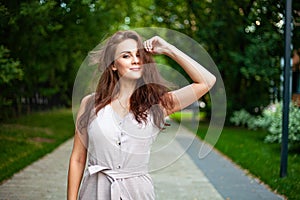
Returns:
(121, 118)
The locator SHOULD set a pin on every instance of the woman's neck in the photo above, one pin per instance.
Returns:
(127, 88)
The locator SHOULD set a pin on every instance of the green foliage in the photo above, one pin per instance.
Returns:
(271, 120)
(10, 69)
(242, 37)
(241, 118)
(51, 38)
(10, 74)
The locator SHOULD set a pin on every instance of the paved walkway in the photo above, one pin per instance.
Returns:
(177, 172)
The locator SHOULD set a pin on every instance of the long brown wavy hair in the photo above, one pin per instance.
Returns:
(151, 92)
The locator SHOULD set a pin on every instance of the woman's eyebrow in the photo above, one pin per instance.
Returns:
(126, 52)
(130, 51)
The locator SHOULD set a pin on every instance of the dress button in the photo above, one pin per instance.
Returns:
(122, 133)
(118, 142)
(119, 167)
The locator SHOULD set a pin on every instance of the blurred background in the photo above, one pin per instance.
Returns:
(43, 43)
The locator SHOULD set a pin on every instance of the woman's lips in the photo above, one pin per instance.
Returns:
(135, 68)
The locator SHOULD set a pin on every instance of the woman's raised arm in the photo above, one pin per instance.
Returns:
(203, 80)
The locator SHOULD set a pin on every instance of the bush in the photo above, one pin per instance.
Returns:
(241, 118)
(275, 124)
(271, 120)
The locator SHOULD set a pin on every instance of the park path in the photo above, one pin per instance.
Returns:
(177, 172)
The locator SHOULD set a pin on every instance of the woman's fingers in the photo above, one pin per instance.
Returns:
(148, 45)
(155, 45)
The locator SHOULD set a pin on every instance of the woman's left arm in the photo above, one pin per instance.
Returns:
(203, 80)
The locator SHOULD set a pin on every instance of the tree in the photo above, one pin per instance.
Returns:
(10, 73)
(243, 37)
(51, 39)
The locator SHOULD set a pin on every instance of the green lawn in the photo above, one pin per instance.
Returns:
(248, 149)
(25, 139)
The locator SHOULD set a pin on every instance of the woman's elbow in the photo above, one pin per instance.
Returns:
(211, 82)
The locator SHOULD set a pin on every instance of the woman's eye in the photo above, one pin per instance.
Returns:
(125, 56)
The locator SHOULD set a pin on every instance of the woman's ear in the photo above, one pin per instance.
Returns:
(113, 67)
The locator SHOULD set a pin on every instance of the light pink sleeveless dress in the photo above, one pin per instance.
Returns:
(118, 157)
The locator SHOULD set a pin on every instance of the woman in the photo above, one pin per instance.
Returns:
(117, 124)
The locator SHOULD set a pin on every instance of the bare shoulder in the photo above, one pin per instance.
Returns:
(88, 97)
(87, 102)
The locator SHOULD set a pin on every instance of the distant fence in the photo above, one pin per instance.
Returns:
(22, 106)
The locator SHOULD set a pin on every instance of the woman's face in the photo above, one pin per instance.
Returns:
(127, 60)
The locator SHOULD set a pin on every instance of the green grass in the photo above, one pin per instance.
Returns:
(262, 160)
(28, 138)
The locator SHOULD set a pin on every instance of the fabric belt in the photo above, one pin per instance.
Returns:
(113, 176)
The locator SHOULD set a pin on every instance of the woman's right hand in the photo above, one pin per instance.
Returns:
(156, 45)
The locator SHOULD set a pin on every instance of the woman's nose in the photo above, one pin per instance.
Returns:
(135, 59)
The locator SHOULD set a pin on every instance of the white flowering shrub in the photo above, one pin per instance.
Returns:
(241, 118)
(271, 120)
